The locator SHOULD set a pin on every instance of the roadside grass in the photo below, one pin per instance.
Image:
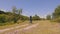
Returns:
(8, 25)
(12, 30)
(44, 27)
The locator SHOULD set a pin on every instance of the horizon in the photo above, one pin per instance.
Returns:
(31, 7)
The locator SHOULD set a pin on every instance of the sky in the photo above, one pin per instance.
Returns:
(31, 7)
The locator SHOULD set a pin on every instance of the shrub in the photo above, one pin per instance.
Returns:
(2, 18)
(57, 20)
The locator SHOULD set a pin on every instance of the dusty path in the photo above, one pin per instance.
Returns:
(16, 31)
(40, 27)
(44, 27)
(12, 28)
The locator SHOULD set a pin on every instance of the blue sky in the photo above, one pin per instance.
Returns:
(31, 7)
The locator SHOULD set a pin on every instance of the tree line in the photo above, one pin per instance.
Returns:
(16, 15)
(55, 15)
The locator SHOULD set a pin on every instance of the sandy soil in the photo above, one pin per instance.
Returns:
(41, 27)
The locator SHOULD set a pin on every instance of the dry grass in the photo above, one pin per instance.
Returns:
(13, 25)
(44, 27)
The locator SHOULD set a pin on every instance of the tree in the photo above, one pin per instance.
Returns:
(14, 10)
(36, 17)
(56, 13)
(16, 13)
(19, 13)
(2, 18)
(48, 17)
(23, 18)
(2, 12)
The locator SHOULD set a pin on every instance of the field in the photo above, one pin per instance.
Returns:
(38, 27)
(45, 27)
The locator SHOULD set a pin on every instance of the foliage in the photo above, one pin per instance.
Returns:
(2, 12)
(36, 17)
(9, 16)
(56, 20)
(15, 13)
(2, 18)
(48, 17)
(56, 14)
(23, 18)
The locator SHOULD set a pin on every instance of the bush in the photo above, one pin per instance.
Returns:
(2, 18)
(23, 18)
(36, 17)
(48, 17)
(57, 20)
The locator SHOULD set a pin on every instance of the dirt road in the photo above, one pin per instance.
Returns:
(26, 27)
(40, 27)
